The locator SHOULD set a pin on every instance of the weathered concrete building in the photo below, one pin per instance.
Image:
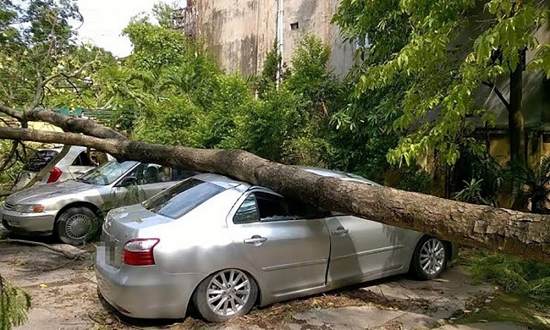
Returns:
(240, 33)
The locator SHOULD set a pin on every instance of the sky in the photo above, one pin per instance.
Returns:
(104, 21)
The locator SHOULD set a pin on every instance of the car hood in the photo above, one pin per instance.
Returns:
(40, 192)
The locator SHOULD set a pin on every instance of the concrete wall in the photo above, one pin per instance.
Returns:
(241, 32)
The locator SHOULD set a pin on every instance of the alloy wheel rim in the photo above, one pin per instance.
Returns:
(432, 256)
(78, 226)
(228, 292)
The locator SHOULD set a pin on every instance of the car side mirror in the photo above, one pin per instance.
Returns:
(127, 181)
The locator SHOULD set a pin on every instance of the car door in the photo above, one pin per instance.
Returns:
(361, 249)
(287, 245)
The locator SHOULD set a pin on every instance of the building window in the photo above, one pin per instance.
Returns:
(294, 26)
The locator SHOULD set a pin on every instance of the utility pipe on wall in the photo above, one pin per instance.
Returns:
(280, 30)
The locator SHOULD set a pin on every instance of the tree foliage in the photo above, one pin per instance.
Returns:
(14, 304)
(181, 97)
(440, 53)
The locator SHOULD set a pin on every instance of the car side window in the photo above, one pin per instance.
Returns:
(149, 173)
(273, 208)
(82, 160)
(93, 158)
(265, 207)
(152, 174)
(98, 157)
(247, 212)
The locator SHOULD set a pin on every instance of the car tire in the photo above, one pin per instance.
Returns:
(429, 259)
(75, 225)
(224, 295)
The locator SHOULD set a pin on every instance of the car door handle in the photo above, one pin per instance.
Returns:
(340, 231)
(256, 240)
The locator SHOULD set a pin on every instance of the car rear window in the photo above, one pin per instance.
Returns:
(40, 160)
(181, 198)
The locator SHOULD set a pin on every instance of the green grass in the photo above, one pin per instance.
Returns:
(524, 297)
(512, 274)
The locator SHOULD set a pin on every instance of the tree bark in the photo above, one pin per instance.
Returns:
(71, 124)
(516, 129)
(521, 234)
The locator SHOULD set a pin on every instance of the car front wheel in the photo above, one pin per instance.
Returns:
(225, 294)
(429, 259)
(76, 224)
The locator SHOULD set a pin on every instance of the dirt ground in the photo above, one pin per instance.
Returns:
(63, 292)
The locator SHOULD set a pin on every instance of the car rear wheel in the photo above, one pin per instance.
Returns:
(225, 294)
(429, 259)
(75, 225)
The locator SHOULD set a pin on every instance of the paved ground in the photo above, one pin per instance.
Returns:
(63, 293)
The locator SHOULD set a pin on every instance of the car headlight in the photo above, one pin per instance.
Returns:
(28, 208)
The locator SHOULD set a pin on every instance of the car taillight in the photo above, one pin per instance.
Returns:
(54, 175)
(139, 251)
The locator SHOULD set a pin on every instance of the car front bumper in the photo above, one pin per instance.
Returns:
(28, 223)
(144, 292)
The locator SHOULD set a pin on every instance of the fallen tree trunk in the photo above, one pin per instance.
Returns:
(521, 234)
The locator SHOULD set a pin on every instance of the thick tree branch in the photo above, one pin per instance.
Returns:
(75, 125)
(66, 253)
(11, 112)
(522, 234)
(498, 93)
(38, 91)
(68, 124)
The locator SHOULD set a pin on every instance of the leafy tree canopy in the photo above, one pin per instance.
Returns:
(438, 53)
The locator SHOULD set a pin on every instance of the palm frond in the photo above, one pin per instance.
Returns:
(14, 304)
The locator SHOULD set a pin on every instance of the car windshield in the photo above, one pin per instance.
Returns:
(108, 173)
(178, 200)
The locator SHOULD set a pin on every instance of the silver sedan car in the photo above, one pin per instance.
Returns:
(70, 209)
(223, 246)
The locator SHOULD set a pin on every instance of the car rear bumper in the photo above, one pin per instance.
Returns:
(28, 223)
(144, 292)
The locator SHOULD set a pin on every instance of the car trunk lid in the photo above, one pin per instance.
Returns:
(124, 224)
